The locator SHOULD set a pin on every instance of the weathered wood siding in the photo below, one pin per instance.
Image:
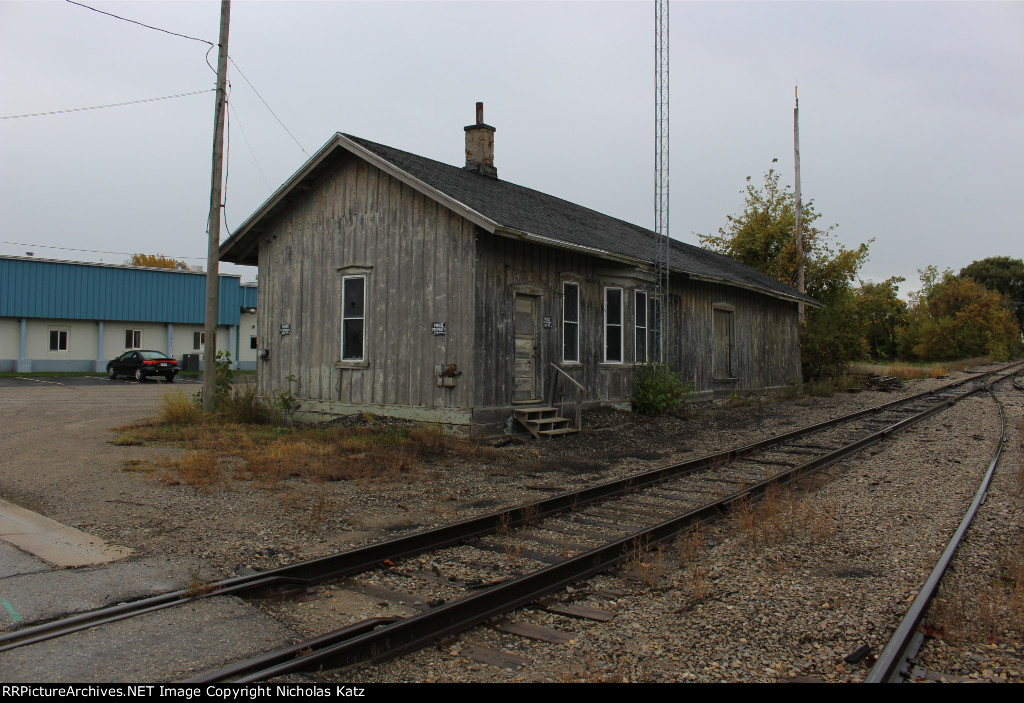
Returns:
(418, 258)
(765, 336)
(765, 351)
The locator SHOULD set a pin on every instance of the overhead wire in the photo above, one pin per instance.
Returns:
(93, 251)
(100, 107)
(259, 168)
(147, 26)
(268, 106)
(212, 45)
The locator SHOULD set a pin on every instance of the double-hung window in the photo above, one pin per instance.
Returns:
(570, 322)
(613, 325)
(640, 325)
(353, 318)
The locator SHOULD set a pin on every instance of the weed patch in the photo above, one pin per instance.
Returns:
(269, 455)
(780, 515)
(658, 390)
(644, 564)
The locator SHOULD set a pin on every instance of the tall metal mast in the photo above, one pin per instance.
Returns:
(661, 229)
(799, 203)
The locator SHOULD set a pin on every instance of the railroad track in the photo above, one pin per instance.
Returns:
(485, 567)
(895, 664)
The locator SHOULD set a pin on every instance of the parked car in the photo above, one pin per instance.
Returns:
(142, 363)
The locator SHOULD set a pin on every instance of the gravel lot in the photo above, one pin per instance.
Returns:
(748, 607)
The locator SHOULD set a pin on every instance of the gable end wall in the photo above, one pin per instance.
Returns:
(420, 260)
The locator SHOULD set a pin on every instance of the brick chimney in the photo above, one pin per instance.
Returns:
(480, 146)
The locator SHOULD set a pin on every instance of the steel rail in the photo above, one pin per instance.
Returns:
(891, 665)
(380, 553)
(412, 633)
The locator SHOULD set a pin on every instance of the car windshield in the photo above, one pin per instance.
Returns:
(153, 355)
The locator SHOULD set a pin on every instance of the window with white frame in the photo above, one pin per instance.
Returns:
(353, 318)
(252, 343)
(198, 340)
(640, 327)
(58, 340)
(133, 339)
(570, 322)
(613, 325)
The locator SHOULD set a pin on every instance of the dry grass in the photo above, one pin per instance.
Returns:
(268, 455)
(782, 514)
(967, 609)
(934, 370)
(179, 408)
(1020, 468)
(690, 544)
(644, 564)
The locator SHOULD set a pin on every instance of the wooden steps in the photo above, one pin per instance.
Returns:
(543, 421)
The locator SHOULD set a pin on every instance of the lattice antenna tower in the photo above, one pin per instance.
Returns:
(661, 229)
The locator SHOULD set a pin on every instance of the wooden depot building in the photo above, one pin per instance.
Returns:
(394, 284)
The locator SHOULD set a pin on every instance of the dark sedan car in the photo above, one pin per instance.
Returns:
(142, 363)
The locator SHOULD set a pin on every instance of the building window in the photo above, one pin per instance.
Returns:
(133, 339)
(613, 325)
(58, 340)
(640, 327)
(571, 322)
(198, 340)
(252, 343)
(723, 331)
(352, 318)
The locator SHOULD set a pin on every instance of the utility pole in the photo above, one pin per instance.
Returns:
(661, 229)
(213, 224)
(799, 204)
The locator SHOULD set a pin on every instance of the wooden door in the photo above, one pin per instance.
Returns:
(525, 382)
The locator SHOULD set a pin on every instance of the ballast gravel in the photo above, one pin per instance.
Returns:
(750, 605)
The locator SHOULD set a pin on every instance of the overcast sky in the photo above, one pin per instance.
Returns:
(911, 114)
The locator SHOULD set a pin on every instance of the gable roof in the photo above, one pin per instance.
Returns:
(508, 209)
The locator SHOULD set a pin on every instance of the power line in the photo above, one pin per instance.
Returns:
(211, 44)
(267, 106)
(92, 251)
(100, 107)
(147, 26)
(259, 168)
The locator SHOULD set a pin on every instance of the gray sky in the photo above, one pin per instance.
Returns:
(911, 114)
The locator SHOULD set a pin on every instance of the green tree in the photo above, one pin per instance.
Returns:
(956, 318)
(157, 261)
(881, 314)
(763, 237)
(1004, 275)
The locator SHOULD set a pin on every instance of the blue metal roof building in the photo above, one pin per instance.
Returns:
(38, 296)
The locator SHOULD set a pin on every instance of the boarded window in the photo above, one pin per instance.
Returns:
(352, 318)
(132, 339)
(570, 322)
(613, 325)
(655, 330)
(723, 366)
(640, 327)
(58, 340)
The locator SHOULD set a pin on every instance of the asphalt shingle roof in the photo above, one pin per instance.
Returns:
(512, 207)
(528, 210)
